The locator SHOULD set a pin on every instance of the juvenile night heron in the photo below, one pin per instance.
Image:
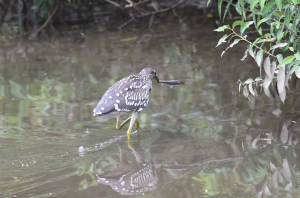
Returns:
(130, 94)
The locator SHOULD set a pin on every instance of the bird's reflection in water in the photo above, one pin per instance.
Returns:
(132, 178)
(160, 161)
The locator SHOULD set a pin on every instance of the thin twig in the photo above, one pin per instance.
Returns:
(244, 39)
(293, 4)
(48, 20)
(174, 12)
(114, 3)
(126, 23)
(140, 2)
(150, 22)
(162, 10)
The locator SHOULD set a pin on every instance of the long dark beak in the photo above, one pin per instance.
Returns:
(156, 78)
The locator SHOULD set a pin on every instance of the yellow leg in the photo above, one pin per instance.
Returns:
(133, 145)
(137, 125)
(119, 126)
(128, 134)
(134, 116)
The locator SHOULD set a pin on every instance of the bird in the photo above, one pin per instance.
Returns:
(130, 94)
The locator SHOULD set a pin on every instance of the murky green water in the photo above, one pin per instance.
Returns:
(200, 139)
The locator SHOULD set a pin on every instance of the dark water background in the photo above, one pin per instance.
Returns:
(200, 139)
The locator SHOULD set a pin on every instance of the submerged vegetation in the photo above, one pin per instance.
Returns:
(276, 48)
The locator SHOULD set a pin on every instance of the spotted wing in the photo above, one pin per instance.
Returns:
(124, 95)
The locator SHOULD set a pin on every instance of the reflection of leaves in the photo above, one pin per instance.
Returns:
(16, 90)
(286, 170)
(284, 134)
(280, 84)
(274, 180)
(272, 167)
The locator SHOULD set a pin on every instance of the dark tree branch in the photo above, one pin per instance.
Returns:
(126, 23)
(151, 21)
(114, 3)
(162, 10)
(141, 15)
(48, 20)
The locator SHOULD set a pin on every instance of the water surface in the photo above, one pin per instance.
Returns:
(199, 139)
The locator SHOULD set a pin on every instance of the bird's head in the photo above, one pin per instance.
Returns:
(150, 72)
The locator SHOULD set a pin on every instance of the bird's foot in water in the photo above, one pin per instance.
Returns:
(132, 144)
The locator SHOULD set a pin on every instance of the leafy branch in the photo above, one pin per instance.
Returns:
(244, 39)
(282, 18)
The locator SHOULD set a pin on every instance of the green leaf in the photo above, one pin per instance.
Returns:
(254, 20)
(208, 2)
(258, 79)
(222, 40)
(261, 21)
(285, 61)
(259, 57)
(266, 40)
(260, 31)
(279, 57)
(50, 2)
(241, 23)
(234, 42)
(250, 80)
(295, 23)
(222, 28)
(37, 4)
(257, 40)
(253, 4)
(251, 51)
(241, 3)
(227, 7)
(238, 8)
(287, 16)
(43, 9)
(231, 45)
(267, 66)
(297, 56)
(296, 65)
(279, 33)
(279, 4)
(262, 4)
(244, 15)
(245, 26)
(268, 7)
(220, 7)
(245, 55)
(278, 45)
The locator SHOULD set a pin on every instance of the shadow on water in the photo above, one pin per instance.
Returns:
(196, 139)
